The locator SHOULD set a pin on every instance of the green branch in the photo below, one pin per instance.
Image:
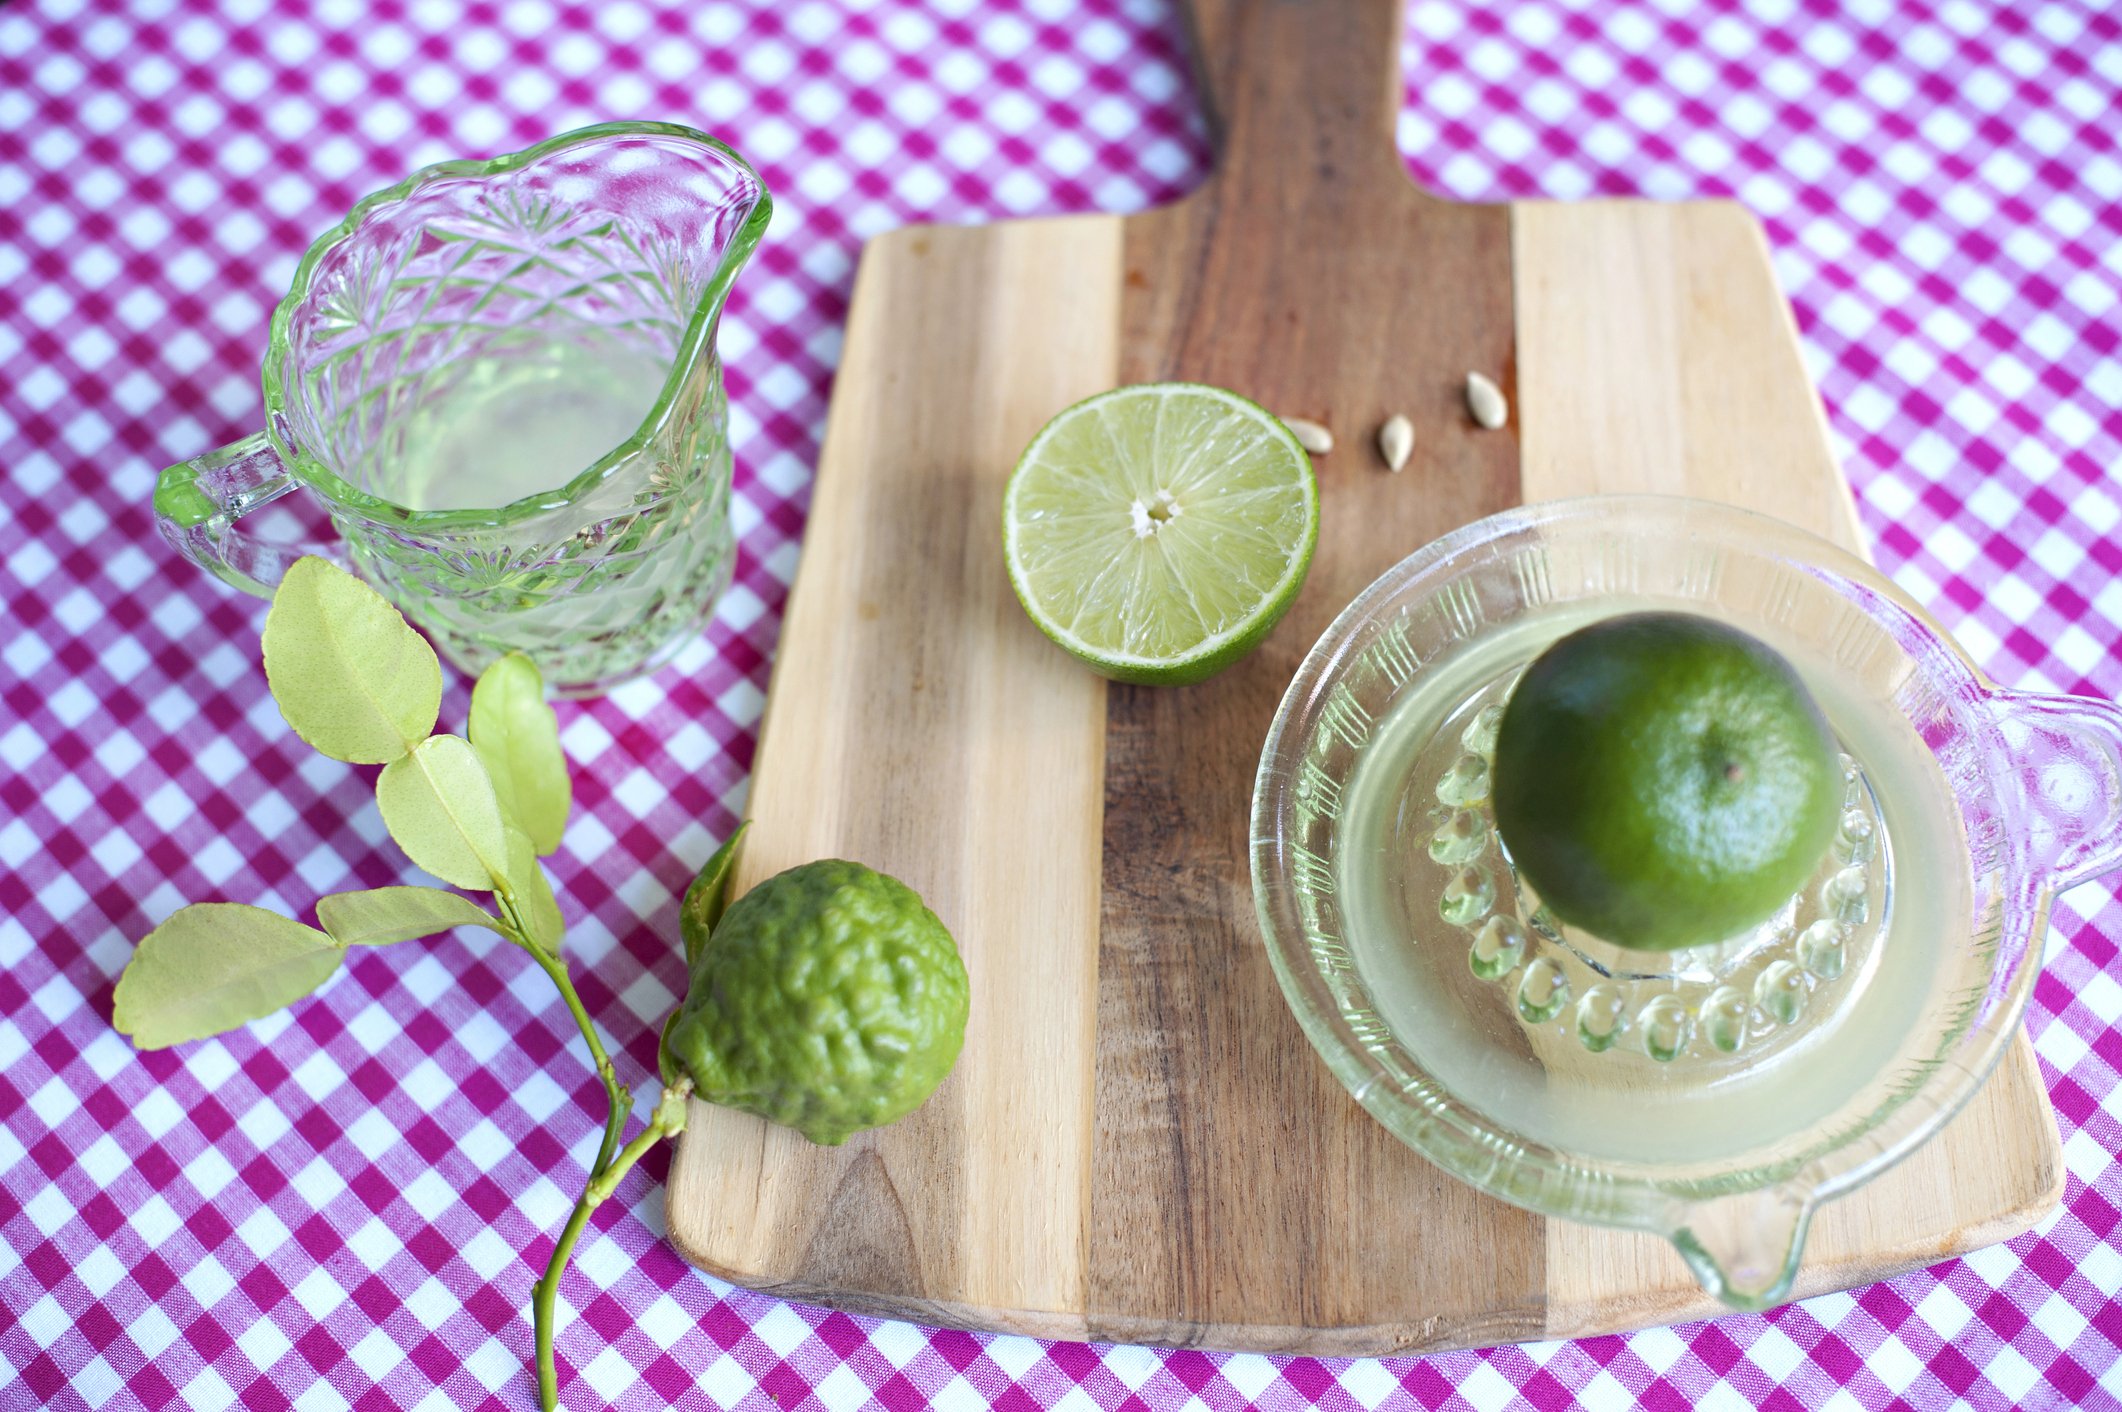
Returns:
(358, 684)
(619, 1103)
(613, 1162)
(668, 1121)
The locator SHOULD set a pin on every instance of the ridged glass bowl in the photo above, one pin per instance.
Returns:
(1678, 1093)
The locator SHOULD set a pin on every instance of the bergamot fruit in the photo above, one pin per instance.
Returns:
(828, 999)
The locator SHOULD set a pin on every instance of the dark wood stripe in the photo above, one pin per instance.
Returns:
(1234, 1183)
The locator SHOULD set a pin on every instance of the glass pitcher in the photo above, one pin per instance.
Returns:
(1715, 1096)
(500, 379)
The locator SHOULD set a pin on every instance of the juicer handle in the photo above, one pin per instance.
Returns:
(198, 502)
(1745, 1247)
(2067, 751)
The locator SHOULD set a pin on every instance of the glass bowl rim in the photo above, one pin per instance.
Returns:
(1462, 1139)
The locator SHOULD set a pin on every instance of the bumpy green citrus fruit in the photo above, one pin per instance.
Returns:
(1663, 780)
(828, 998)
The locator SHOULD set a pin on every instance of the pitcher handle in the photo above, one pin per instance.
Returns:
(198, 502)
(2068, 755)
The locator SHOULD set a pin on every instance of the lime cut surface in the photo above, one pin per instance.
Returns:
(1663, 780)
(1156, 533)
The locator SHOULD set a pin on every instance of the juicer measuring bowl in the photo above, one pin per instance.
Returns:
(1715, 1096)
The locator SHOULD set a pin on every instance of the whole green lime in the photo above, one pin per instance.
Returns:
(828, 998)
(1664, 780)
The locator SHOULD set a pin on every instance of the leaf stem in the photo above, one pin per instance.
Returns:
(612, 1162)
(542, 1299)
(619, 1102)
(667, 1121)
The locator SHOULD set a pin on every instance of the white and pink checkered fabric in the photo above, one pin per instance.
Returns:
(346, 1205)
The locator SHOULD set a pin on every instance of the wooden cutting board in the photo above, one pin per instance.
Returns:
(1138, 1144)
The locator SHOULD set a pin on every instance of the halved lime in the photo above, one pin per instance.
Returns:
(1157, 532)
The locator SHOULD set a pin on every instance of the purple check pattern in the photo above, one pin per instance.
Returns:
(346, 1205)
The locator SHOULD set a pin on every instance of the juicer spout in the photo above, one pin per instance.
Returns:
(1744, 1248)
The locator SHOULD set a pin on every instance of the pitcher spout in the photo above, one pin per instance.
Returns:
(716, 214)
(1745, 1248)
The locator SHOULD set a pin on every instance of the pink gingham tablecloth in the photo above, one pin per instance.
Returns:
(346, 1205)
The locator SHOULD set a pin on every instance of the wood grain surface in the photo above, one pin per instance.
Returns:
(1137, 1142)
(1236, 1192)
(1655, 352)
(917, 722)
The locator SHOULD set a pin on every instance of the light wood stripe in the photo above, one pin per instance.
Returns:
(919, 723)
(1655, 352)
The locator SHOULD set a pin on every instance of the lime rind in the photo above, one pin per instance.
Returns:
(1236, 511)
(1664, 780)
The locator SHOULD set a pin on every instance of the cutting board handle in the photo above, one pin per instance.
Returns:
(1299, 93)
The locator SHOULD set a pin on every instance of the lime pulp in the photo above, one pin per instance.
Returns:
(1156, 533)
